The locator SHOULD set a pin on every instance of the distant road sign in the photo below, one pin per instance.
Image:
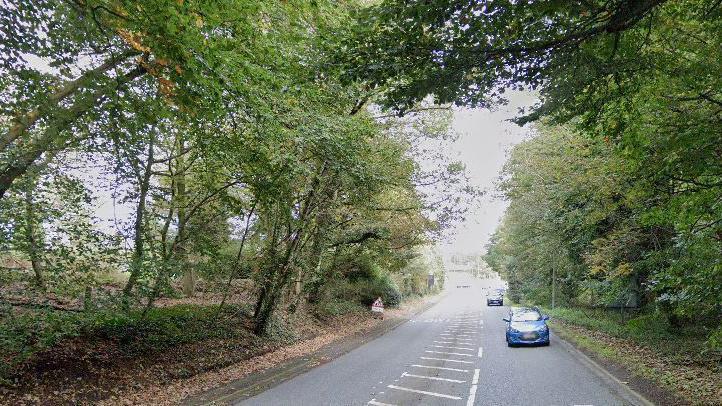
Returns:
(377, 306)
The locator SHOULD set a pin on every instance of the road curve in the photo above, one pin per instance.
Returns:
(452, 354)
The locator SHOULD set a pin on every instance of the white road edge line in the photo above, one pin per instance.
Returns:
(448, 360)
(423, 392)
(375, 403)
(450, 353)
(472, 390)
(435, 378)
(442, 368)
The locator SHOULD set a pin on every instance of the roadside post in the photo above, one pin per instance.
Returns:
(377, 308)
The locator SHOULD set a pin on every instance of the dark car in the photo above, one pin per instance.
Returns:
(495, 299)
(526, 325)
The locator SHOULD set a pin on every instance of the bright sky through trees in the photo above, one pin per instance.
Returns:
(485, 137)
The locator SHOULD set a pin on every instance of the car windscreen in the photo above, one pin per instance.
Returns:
(526, 316)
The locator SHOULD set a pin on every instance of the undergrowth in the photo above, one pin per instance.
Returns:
(23, 335)
(651, 330)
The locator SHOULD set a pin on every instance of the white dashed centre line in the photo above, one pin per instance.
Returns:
(481, 352)
(472, 390)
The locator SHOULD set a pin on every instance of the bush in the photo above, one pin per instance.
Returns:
(340, 293)
(379, 286)
(23, 335)
(648, 326)
(714, 342)
(339, 307)
(165, 327)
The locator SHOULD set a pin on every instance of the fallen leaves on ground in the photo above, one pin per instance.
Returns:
(82, 371)
(699, 384)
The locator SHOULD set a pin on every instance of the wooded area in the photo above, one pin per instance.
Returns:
(265, 155)
(619, 198)
(236, 163)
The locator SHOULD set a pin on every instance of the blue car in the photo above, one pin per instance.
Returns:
(526, 325)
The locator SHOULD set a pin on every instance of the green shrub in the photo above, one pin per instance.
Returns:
(165, 327)
(361, 291)
(379, 286)
(596, 319)
(21, 336)
(648, 326)
(339, 307)
(714, 342)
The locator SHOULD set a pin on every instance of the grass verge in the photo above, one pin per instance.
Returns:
(677, 361)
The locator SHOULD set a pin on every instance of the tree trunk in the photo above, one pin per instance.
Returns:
(189, 281)
(283, 271)
(138, 227)
(31, 236)
(237, 264)
(181, 202)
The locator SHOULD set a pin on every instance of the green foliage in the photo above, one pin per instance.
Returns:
(623, 209)
(649, 325)
(165, 327)
(22, 336)
(714, 342)
(231, 146)
(339, 307)
(650, 329)
(365, 290)
(579, 210)
(595, 319)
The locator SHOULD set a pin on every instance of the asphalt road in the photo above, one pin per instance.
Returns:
(452, 354)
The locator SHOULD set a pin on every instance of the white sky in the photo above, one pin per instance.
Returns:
(485, 139)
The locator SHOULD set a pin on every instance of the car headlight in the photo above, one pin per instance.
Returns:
(513, 330)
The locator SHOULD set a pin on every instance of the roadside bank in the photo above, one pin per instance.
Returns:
(666, 376)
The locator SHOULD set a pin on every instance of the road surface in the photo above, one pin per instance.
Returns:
(452, 354)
